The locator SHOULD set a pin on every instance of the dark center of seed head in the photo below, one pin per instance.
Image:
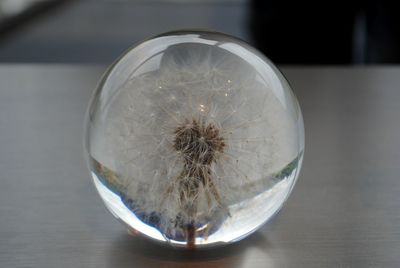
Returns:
(198, 142)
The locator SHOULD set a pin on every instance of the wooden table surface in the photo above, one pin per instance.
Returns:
(343, 212)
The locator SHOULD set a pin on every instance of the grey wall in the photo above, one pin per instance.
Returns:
(97, 31)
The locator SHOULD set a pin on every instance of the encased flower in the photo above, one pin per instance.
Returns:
(193, 132)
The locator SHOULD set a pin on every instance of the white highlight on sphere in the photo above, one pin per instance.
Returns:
(194, 139)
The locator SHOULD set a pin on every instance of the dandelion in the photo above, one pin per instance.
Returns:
(200, 141)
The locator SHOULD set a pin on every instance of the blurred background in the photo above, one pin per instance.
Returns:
(288, 32)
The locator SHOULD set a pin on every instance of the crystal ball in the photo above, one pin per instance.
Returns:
(194, 139)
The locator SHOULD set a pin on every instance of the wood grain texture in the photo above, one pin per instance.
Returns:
(344, 211)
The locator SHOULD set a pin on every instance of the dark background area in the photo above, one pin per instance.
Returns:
(98, 31)
(289, 32)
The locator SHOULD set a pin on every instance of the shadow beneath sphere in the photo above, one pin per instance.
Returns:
(133, 251)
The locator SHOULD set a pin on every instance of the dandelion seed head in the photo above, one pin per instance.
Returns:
(196, 127)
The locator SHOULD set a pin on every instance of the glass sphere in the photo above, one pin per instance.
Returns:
(194, 139)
